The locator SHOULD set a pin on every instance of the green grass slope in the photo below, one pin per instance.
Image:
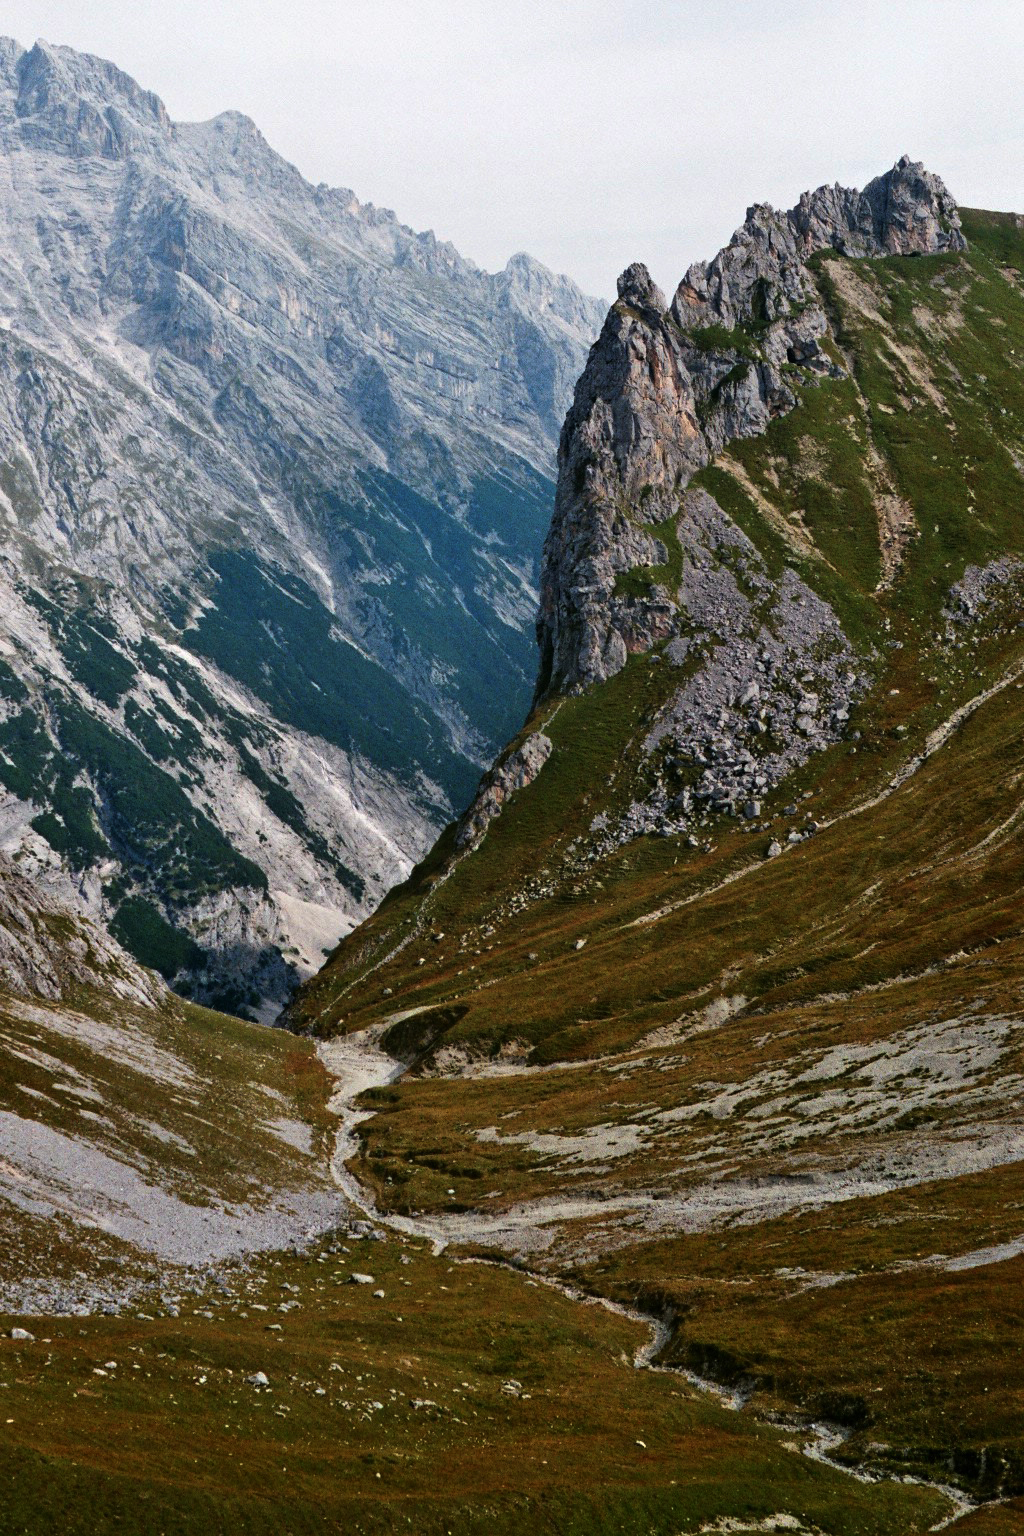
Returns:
(461, 1400)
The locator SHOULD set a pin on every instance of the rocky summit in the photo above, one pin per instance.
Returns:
(274, 475)
(667, 387)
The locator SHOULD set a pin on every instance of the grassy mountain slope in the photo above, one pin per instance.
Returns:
(140, 1143)
(770, 1100)
(773, 1094)
(463, 1400)
(182, 1346)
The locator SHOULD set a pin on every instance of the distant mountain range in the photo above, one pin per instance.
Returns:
(275, 472)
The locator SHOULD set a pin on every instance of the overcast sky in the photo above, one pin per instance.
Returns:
(590, 134)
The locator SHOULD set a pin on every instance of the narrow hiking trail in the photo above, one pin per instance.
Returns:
(934, 741)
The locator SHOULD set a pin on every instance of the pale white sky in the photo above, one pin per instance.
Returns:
(590, 134)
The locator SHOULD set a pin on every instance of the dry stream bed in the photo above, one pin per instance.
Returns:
(445, 1394)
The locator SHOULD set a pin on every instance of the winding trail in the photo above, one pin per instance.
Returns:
(356, 1063)
(933, 742)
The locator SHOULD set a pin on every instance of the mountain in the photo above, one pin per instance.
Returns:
(710, 1003)
(274, 474)
(49, 955)
(142, 1138)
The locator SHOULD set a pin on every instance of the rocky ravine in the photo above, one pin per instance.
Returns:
(274, 470)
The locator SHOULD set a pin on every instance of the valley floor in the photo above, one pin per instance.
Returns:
(438, 1392)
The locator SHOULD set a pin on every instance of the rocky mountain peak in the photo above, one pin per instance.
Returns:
(272, 461)
(82, 104)
(632, 431)
(914, 211)
(760, 275)
(637, 288)
(906, 211)
(663, 394)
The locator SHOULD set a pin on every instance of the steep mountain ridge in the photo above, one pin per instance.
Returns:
(273, 472)
(667, 388)
(712, 1001)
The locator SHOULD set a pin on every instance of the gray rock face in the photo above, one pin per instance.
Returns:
(665, 391)
(274, 471)
(760, 275)
(908, 211)
(778, 680)
(631, 435)
(47, 952)
(774, 681)
(514, 772)
(979, 588)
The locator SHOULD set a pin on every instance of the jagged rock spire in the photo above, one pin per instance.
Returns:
(907, 211)
(655, 403)
(760, 275)
(637, 288)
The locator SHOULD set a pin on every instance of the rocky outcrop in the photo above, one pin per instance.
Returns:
(631, 439)
(667, 387)
(510, 773)
(760, 275)
(906, 212)
(47, 951)
(776, 681)
(767, 678)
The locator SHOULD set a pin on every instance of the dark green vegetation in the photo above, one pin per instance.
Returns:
(123, 745)
(151, 939)
(104, 795)
(782, 1091)
(270, 632)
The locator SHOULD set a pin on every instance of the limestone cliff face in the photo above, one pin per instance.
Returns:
(509, 774)
(275, 470)
(667, 387)
(632, 434)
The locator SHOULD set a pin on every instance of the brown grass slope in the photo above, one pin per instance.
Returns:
(783, 1093)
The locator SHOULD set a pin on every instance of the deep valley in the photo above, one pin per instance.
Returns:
(642, 1150)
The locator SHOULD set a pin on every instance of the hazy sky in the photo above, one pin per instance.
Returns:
(590, 134)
